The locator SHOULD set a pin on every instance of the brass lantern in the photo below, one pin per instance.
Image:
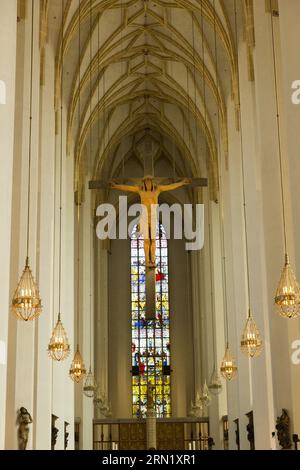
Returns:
(251, 342)
(215, 384)
(205, 397)
(77, 370)
(90, 386)
(228, 367)
(287, 298)
(59, 347)
(26, 302)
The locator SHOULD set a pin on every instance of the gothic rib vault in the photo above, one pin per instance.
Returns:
(147, 64)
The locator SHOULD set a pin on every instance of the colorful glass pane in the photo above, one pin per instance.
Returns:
(150, 341)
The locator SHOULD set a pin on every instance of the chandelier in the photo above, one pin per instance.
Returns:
(287, 298)
(26, 302)
(197, 406)
(205, 398)
(101, 401)
(77, 370)
(90, 386)
(59, 348)
(228, 367)
(215, 384)
(251, 342)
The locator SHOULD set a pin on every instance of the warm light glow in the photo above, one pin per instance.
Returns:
(26, 302)
(59, 348)
(287, 298)
(90, 386)
(251, 342)
(77, 370)
(228, 367)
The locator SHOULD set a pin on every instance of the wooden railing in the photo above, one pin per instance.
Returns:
(172, 434)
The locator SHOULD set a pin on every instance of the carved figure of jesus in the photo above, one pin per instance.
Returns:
(149, 192)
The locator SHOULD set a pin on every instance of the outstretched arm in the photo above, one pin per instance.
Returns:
(124, 187)
(171, 187)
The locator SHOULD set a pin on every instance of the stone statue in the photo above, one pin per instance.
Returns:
(24, 419)
(66, 439)
(283, 430)
(210, 443)
(250, 430)
(149, 192)
(54, 434)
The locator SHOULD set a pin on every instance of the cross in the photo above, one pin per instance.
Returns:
(148, 189)
(102, 184)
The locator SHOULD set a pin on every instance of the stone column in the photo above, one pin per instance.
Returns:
(48, 260)
(151, 422)
(26, 345)
(261, 398)
(279, 374)
(287, 34)
(8, 38)
(101, 317)
(87, 313)
(218, 407)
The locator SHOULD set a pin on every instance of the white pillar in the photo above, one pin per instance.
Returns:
(47, 267)
(281, 377)
(21, 353)
(101, 317)
(8, 38)
(88, 315)
(261, 399)
(289, 58)
(218, 407)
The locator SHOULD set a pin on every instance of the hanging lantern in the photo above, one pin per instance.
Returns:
(90, 386)
(59, 347)
(197, 407)
(228, 366)
(206, 398)
(215, 384)
(26, 302)
(251, 342)
(77, 370)
(287, 297)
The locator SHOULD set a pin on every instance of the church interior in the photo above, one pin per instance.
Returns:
(123, 343)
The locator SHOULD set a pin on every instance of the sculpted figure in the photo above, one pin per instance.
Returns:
(149, 192)
(24, 419)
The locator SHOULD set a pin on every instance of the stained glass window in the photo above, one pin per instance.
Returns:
(151, 339)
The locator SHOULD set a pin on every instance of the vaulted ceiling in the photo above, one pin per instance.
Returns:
(139, 68)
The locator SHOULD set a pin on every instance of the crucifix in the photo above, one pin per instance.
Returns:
(149, 189)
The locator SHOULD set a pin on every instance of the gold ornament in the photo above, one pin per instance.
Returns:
(77, 370)
(228, 367)
(215, 385)
(26, 302)
(251, 342)
(59, 347)
(90, 386)
(287, 298)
